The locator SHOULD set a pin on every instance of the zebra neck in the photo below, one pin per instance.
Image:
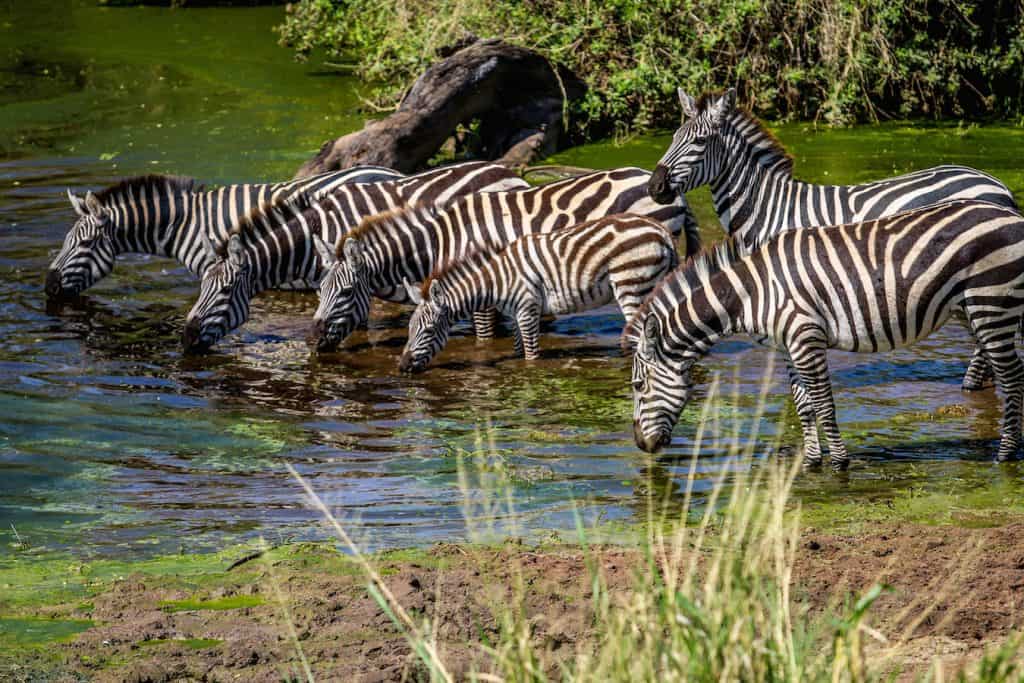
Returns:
(476, 288)
(755, 194)
(285, 256)
(145, 223)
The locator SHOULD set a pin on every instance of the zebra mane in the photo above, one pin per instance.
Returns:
(771, 151)
(153, 181)
(688, 277)
(378, 221)
(477, 255)
(258, 218)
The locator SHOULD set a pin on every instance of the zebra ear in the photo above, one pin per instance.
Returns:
(436, 291)
(413, 291)
(723, 106)
(92, 205)
(77, 203)
(354, 253)
(324, 251)
(652, 330)
(688, 104)
(236, 253)
(211, 251)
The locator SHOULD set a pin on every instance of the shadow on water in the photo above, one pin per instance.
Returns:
(112, 441)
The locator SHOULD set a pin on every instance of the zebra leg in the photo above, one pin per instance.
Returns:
(811, 364)
(528, 324)
(979, 373)
(483, 323)
(808, 419)
(997, 340)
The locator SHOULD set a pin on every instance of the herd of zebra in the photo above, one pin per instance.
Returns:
(901, 257)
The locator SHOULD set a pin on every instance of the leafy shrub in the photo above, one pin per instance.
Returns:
(831, 60)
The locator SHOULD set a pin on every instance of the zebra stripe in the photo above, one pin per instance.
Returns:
(274, 244)
(756, 196)
(620, 257)
(864, 287)
(167, 216)
(408, 244)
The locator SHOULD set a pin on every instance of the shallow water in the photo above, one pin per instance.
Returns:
(111, 442)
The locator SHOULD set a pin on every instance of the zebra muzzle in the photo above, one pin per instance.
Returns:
(318, 339)
(650, 444)
(53, 287)
(191, 338)
(658, 186)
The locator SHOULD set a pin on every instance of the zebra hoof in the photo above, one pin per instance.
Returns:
(974, 386)
(840, 465)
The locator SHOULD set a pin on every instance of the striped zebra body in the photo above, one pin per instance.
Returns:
(409, 244)
(756, 196)
(863, 287)
(168, 216)
(274, 244)
(620, 257)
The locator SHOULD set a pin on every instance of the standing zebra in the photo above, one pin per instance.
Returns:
(866, 287)
(272, 245)
(408, 244)
(166, 216)
(567, 271)
(756, 195)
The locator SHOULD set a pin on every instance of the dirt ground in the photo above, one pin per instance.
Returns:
(954, 592)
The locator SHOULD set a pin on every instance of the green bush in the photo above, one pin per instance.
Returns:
(832, 60)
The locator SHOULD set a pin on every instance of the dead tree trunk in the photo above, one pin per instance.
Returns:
(515, 93)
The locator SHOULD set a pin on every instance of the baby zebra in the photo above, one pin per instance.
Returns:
(866, 287)
(567, 271)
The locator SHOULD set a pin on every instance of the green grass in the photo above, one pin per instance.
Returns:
(230, 602)
(37, 632)
(189, 643)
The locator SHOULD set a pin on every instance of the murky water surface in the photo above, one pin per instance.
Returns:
(111, 442)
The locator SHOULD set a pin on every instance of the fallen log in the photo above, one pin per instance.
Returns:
(517, 96)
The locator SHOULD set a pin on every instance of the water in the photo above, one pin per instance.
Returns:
(113, 443)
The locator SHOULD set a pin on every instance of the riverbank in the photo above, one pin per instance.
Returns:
(952, 594)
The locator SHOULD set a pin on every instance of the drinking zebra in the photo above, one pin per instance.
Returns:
(756, 195)
(165, 216)
(620, 257)
(272, 245)
(865, 287)
(408, 244)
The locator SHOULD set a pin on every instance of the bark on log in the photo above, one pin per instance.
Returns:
(514, 92)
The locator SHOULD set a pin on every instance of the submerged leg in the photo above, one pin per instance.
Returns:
(483, 323)
(528, 324)
(811, 364)
(979, 373)
(808, 420)
(997, 338)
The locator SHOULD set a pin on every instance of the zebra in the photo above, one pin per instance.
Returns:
(272, 245)
(756, 196)
(865, 287)
(567, 271)
(165, 215)
(409, 243)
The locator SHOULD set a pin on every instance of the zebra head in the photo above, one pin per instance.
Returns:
(88, 252)
(429, 327)
(661, 388)
(344, 294)
(695, 156)
(224, 296)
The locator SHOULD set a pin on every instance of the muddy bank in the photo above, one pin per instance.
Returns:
(954, 593)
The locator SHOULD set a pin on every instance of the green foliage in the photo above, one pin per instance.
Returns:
(835, 60)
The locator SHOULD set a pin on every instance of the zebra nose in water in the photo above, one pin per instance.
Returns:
(658, 186)
(190, 335)
(409, 364)
(649, 444)
(316, 333)
(53, 288)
